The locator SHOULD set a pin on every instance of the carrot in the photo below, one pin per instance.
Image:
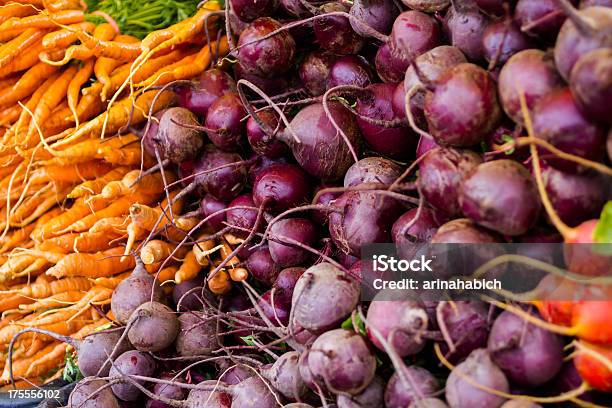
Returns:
(117, 116)
(95, 186)
(127, 156)
(9, 115)
(156, 251)
(129, 184)
(66, 36)
(13, 48)
(99, 264)
(14, 265)
(189, 269)
(89, 106)
(85, 241)
(167, 274)
(221, 283)
(74, 87)
(49, 202)
(54, 301)
(81, 52)
(105, 66)
(59, 5)
(43, 20)
(27, 59)
(202, 251)
(16, 238)
(78, 210)
(27, 84)
(87, 150)
(189, 67)
(9, 81)
(15, 10)
(65, 328)
(20, 366)
(120, 51)
(226, 251)
(47, 361)
(70, 174)
(111, 225)
(112, 281)
(238, 274)
(13, 301)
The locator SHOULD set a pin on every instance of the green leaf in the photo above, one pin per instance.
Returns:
(71, 372)
(248, 340)
(603, 229)
(103, 327)
(508, 139)
(348, 325)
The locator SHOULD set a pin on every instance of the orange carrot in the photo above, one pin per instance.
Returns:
(78, 210)
(54, 95)
(129, 184)
(167, 274)
(12, 49)
(189, 67)
(117, 225)
(59, 5)
(46, 289)
(74, 88)
(95, 186)
(221, 283)
(112, 281)
(54, 301)
(43, 20)
(15, 10)
(99, 264)
(189, 269)
(66, 36)
(70, 174)
(9, 115)
(27, 84)
(105, 66)
(120, 51)
(156, 251)
(203, 250)
(84, 242)
(81, 52)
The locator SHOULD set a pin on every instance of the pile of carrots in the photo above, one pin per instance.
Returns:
(72, 94)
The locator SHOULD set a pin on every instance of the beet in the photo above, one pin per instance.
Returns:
(467, 323)
(280, 186)
(285, 377)
(494, 7)
(576, 197)
(350, 70)
(335, 33)
(480, 368)
(591, 85)
(322, 152)
(154, 328)
(81, 395)
(249, 10)
(413, 33)
(528, 355)
(323, 297)
(175, 142)
(531, 71)
(342, 359)
(242, 217)
(210, 205)
(266, 58)
(271, 86)
(390, 67)
(479, 113)
(407, 231)
(193, 300)
(297, 229)
(425, 144)
(377, 14)
(431, 65)
(573, 42)
(376, 103)
(399, 394)
(501, 195)
(166, 391)
(262, 267)
(540, 18)
(314, 70)
(131, 363)
(225, 183)
(427, 6)
(440, 175)
(260, 142)
(502, 39)
(557, 119)
(372, 170)
(366, 218)
(464, 25)
(197, 335)
(224, 119)
(212, 84)
(320, 216)
(371, 397)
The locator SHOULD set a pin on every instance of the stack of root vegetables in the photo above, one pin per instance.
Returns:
(72, 95)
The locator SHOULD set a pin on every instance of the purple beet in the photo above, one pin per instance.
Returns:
(212, 84)
(224, 121)
(494, 7)
(350, 70)
(400, 394)
(378, 14)
(441, 174)
(241, 217)
(298, 229)
(576, 197)
(427, 6)
(260, 142)
(408, 229)
(335, 33)
(501, 195)
(532, 71)
(372, 170)
(501, 40)
(210, 205)
(271, 86)
(467, 323)
(413, 34)
(225, 183)
(266, 58)
(557, 119)
(262, 267)
(479, 113)
(280, 187)
(376, 103)
(425, 144)
(464, 25)
(314, 70)
(591, 85)
(575, 40)
(390, 67)
(192, 301)
(540, 18)
(249, 10)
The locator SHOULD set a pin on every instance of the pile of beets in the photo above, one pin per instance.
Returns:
(334, 125)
